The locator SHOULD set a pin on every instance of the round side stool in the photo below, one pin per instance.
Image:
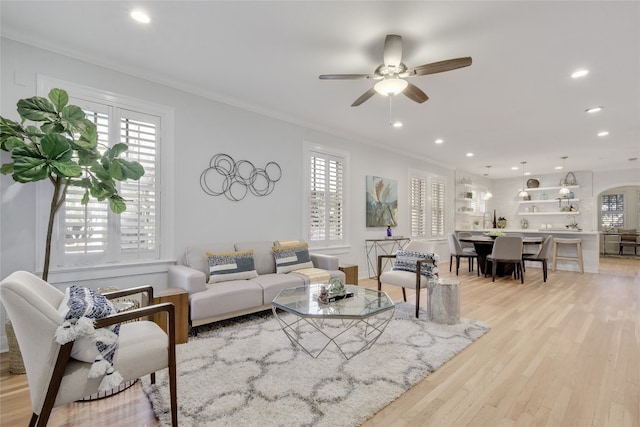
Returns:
(568, 242)
(444, 303)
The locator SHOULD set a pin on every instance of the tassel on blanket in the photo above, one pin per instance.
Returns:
(65, 333)
(111, 380)
(70, 331)
(99, 367)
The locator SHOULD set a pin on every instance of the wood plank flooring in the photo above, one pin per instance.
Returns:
(561, 353)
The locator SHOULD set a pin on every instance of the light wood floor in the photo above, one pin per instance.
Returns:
(561, 353)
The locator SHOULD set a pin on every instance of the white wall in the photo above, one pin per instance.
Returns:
(203, 128)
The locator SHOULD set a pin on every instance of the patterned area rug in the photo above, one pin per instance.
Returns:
(247, 373)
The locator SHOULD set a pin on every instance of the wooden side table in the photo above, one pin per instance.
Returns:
(351, 273)
(180, 299)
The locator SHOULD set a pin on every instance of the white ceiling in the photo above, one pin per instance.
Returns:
(517, 102)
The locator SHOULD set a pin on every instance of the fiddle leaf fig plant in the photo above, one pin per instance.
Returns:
(61, 145)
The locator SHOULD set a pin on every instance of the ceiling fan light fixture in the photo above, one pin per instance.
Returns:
(390, 86)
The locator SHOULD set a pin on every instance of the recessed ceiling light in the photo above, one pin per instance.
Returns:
(439, 141)
(558, 167)
(514, 168)
(579, 73)
(469, 154)
(140, 16)
(397, 124)
(593, 109)
(527, 173)
(603, 133)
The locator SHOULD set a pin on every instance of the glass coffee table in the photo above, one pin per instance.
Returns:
(352, 324)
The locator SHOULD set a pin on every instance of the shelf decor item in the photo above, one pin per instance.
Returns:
(502, 222)
(533, 183)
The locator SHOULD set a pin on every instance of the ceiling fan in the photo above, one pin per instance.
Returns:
(393, 72)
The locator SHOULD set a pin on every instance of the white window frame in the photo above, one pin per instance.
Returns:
(611, 213)
(429, 180)
(95, 269)
(331, 246)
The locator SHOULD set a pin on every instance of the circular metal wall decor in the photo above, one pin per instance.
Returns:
(235, 180)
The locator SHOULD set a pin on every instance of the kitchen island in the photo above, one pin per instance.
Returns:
(590, 245)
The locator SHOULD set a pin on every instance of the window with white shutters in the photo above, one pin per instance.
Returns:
(326, 198)
(418, 196)
(612, 210)
(91, 234)
(437, 208)
(427, 206)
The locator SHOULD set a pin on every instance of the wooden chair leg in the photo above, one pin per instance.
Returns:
(450, 263)
(521, 272)
(544, 270)
(404, 295)
(457, 264)
(417, 301)
(64, 354)
(494, 265)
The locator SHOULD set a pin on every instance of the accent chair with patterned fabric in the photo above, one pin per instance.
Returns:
(54, 376)
(413, 267)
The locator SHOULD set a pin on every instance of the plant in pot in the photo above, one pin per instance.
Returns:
(61, 145)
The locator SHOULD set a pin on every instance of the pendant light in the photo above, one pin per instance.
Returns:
(523, 193)
(488, 194)
(564, 191)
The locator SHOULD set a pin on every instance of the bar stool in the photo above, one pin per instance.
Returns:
(578, 244)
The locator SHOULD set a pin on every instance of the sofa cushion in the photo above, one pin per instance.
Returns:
(227, 266)
(262, 255)
(196, 256)
(225, 297)
(292, 257)
(274, 283)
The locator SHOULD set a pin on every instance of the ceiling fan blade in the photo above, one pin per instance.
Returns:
(392, 55)
(439, 67)
(345, 76)
(368, 94)
(414, 93)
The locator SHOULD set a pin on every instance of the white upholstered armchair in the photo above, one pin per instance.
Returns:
(410, 279)
(54, 377)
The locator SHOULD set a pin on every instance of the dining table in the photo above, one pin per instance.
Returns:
(484, 245)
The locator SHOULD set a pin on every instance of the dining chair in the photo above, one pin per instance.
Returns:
(463, 234)
(506, 250)
(542, 256)
(54, 377)
(457, 251)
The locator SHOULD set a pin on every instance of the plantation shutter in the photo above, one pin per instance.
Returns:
(437, 209)
(92, 232)
(138, 224)
(418, 207)
(326, 201)
(86, 227)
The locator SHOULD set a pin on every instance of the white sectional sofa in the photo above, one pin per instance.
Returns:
(211, 302)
